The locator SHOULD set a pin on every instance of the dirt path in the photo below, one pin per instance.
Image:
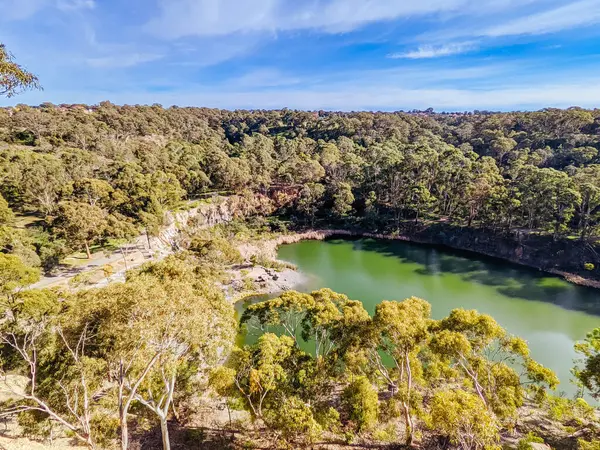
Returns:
(129, 256)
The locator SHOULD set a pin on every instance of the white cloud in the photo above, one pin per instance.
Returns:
(122, 61)
(180, 18)
(431, 51)
(577, 14)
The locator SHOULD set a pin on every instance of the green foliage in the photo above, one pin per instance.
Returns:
(14, 274)
(6, 214)
(589, 266)
(248, 284)
(216, 250)
(538, 170)
(81, 224)
(105, 428)
(387, 434)
(465, 338)
(13, 78)
(588, 445)
(361, 403)
(587, 369)
(464, 418)
(35, 424)
(568, 410)
(294, 419)
(525, 442)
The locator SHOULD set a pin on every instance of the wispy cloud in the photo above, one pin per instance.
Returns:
(75, 5)
(431, 51)
(13, 10)
(122, 61)
(578, 14)
(20, 9)
(222, 17)
(264, 78)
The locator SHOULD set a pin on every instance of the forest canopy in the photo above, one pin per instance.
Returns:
(123, 166)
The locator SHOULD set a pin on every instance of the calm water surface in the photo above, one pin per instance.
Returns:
(550, 313)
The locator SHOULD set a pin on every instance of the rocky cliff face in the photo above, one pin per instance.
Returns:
(218, 210)
(563, 256)
(575, 259)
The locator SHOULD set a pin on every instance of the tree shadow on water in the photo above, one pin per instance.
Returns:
(509, 279)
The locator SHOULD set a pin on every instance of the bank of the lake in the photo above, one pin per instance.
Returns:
(549, 312)
(563, 257)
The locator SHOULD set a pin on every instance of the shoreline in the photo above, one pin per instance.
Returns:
(320, 235)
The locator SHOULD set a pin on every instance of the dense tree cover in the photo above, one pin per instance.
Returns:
(463, 376)
(124, 166)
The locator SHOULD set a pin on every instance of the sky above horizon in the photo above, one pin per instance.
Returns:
(451, 55)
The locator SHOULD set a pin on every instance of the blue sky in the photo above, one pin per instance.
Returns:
(309, 54)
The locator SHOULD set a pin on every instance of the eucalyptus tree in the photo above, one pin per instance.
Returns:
(158, 331)
(399, 331)
(81, 224)
(327, 319)
(51, 350)
(487, 357)
(587, 180)
(587, 368)
(13, 77)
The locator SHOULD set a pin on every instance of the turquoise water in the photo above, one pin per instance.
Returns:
(550, 313)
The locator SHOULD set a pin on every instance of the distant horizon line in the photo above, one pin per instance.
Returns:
(426, 111)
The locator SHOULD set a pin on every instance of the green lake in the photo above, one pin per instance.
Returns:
(550, 313)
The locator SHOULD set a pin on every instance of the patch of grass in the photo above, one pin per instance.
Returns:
(27, 221)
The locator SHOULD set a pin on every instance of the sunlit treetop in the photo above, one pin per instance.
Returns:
(13, 77)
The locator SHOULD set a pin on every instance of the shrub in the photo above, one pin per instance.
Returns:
(589, 266)
(465, 419)
(248, 284)
(568, 410)
(108, 270)
(216, 250)
(35, 424)
(361, 403)
(105, 429)
(585, 445)
(294, 419)
(525, 442)
(388, 434)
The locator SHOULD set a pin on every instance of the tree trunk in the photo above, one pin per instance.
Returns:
(164, 429)
(124, 430)
(148, 239)
(406, 404)
(124, 254)
(409, 424)
(87, 250)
